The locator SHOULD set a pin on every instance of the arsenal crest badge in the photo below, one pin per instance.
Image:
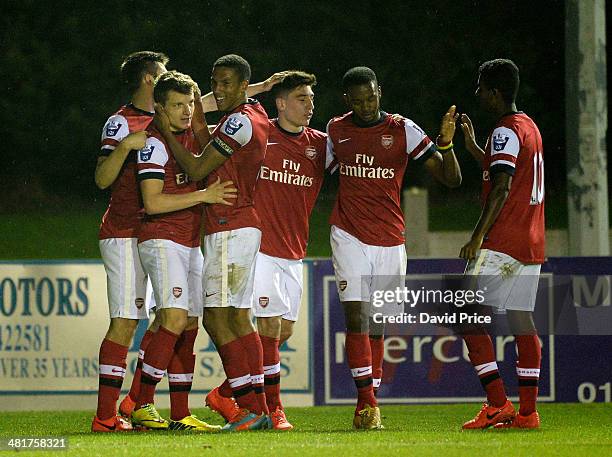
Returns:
(342, 284)
(177, 291)
(139, 302)
(386, 141)
(263, 301)
(310, 152)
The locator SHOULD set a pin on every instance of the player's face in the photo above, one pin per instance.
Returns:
(179, 108)
(485, 96)
(297, 107)
(229, 91)
(364, 100)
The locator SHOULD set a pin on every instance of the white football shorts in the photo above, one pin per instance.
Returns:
(176, 274)
(509, 283)
(229, 267)
(362, 269)
(278, 287)
(126, 281)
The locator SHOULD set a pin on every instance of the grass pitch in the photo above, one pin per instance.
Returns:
(432, 430)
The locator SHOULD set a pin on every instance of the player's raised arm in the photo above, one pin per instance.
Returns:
(443, 164)
(109, 166)
(198, 122)
(470, 139)
(500, 189)
(197, 167)
(209, 104)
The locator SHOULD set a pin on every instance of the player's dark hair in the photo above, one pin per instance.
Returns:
(239, 64)
(358, 76)
(503, 75)
(137, 64)
(292, 80)
(172, 80)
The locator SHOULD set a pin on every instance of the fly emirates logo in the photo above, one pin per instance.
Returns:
(290, 174)
(364, 168)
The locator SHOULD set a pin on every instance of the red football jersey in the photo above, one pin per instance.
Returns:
(124, 213)
(372, 164)
(289, 181)
(515, 147)
(240, 135)
(156, 161)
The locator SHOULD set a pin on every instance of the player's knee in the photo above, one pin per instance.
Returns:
(286, 330)
(174, 320)
(192, 323)
(355, 317)
(240, 322)
(269, 326)
(122, 330)
(521, 322)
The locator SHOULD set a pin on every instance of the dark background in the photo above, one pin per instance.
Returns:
(61, 60)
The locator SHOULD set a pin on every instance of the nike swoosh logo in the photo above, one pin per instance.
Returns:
(118, 371)
(491, 416)
(159, 373)
(210, 295)
(343, 140)
(359, 373)
(108, 426)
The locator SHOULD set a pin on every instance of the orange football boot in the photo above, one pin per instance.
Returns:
(530, 421)
(491, 415)
(114, 424)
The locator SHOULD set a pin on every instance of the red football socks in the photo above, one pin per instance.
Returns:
(528, 371)
(180, 374)
(271, 362)
(225, 390)
(155, 363)
(112, 365)
(377, 346)
(359, 357)
(482, 356)
(144, 343)
(238, 375)
(251, 344)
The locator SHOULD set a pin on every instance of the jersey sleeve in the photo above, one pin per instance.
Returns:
(505, 147)
(331, 163)
(418, 145)
(152, 160)
(115, 130)
(235, 132)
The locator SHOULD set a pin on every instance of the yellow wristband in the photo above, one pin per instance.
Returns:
(444, 148)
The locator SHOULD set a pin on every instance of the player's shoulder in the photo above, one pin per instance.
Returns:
(516, 122)
(339, 123)
(116, 126)
(253, 109)
(406, 124)
(155, 148)
(127, 119)
(314, 133)
(155, 138)
(342, 119)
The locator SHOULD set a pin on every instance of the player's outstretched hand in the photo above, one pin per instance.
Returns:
(468, 252)
(447, 126)
(220, 192)
(273, 80)
(135, 140)
(161, 119)
(468, 132)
